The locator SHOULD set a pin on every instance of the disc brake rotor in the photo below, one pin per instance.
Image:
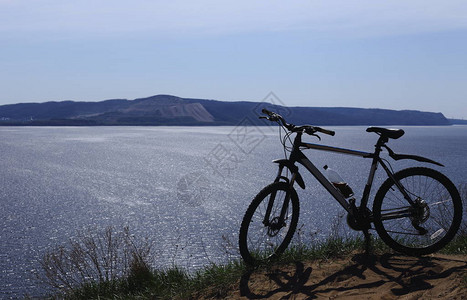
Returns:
(421, 212)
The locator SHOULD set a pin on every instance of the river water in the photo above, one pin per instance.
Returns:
(183, 188)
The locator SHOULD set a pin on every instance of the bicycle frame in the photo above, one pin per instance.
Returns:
(297, 155)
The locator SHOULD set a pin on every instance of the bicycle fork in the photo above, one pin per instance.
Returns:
(279, 222)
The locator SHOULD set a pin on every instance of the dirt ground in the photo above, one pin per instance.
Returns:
(388, 276)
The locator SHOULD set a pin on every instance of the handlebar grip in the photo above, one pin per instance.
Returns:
(325, 131)
(267, 112)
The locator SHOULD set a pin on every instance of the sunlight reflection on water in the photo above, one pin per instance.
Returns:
(164, 183)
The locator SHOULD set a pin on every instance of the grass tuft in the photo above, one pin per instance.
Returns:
(216, 281)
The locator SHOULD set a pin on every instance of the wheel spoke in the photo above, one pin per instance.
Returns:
(439, 202)
(405, 232)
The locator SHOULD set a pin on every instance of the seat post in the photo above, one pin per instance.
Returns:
(380, 143)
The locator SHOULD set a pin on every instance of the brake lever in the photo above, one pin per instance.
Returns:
(312, 132)
(319, 138)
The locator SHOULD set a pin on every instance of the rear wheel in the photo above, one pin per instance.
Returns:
(264, 237)
(427, 225)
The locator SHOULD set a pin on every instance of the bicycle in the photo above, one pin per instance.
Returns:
(416, 211)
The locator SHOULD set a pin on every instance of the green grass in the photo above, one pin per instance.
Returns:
(218, 280)
(457, 246)
(173, 283)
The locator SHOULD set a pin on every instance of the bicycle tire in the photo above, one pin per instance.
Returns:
(437, 213)
(253, 249)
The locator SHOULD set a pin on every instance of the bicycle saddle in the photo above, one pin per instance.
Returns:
(386, 132)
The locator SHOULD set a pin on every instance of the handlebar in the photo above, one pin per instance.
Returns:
(325, 131)
(274, 117)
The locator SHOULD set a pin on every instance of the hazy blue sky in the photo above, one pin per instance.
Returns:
(385, 54)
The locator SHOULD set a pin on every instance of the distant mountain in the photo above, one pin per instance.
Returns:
(172, 110)
(458, 121)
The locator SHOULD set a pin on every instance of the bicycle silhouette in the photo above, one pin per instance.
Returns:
(416, 211)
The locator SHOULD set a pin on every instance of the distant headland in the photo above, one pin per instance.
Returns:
(172, 110)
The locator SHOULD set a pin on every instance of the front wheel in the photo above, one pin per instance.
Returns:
(429, 223)
(269, 223)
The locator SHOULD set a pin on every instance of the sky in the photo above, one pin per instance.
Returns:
(371, 54)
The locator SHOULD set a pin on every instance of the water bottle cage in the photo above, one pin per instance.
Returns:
(344, 189)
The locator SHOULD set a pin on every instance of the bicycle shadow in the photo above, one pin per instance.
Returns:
(398, 275)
